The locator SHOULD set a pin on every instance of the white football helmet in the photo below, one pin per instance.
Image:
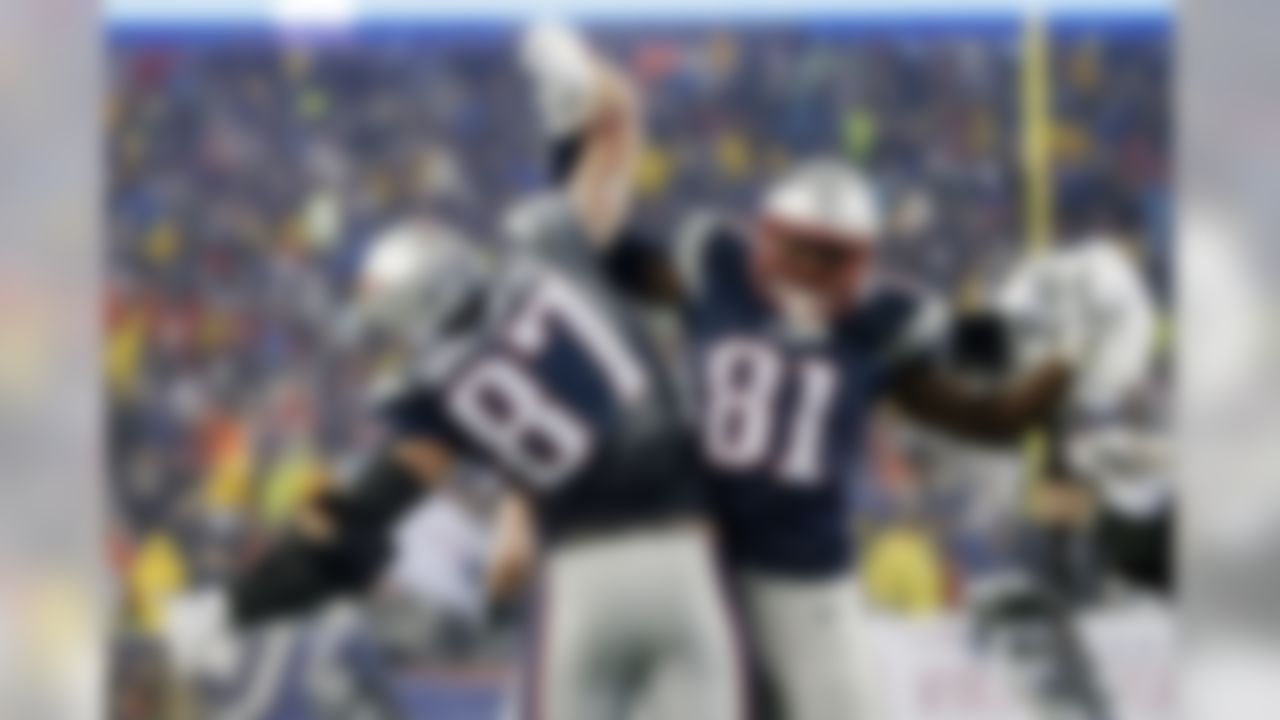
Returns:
(818, 228)
(419, 279)
(829, 198)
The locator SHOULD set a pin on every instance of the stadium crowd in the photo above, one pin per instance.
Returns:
(246, 172)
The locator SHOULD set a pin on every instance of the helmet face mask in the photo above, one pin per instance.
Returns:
(827, 270)
(818, 229)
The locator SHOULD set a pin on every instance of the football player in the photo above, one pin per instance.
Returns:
(795, 339)
(1023, 625)
(1021, 616)
(792, 340)
(1096, 450)
(535, 365)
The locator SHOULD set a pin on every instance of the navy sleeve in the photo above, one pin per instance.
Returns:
(728, 265)
(419, 412)
(714, 262)
(904, 330)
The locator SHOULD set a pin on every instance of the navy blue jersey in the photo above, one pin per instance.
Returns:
(782, 417)
(561, 387)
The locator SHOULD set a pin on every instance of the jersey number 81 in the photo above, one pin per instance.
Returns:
(745, 379)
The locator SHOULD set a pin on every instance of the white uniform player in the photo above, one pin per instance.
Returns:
(1094, 288)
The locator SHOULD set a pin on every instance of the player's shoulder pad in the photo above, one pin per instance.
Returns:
(696, 235)
(523, 222)
(1106, 266)
(1019, 294)
(545, 227)
(902, 318)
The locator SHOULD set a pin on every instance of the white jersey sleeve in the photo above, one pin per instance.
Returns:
(1025, 298)
(1093, 291)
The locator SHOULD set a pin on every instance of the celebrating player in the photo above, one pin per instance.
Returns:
(532, 363)
(793, 339)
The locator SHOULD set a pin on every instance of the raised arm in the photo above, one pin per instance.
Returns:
(579, 94)
(932, 397)
(603, 185)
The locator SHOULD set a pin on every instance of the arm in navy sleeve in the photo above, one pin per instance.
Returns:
(930, 395)
(342, 541)
(933, 395)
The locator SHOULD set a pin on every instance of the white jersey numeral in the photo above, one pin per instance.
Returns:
(802, 459)
(505, 407)
(744, 382)
(554, 302)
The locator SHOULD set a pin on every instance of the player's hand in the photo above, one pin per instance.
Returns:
(198, 635)
(564, 73)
